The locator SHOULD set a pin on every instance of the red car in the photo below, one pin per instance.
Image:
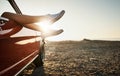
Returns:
(18, 48)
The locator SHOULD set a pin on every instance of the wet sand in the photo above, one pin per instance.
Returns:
(81, 58)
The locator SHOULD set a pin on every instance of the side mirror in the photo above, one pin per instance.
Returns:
(3, 20)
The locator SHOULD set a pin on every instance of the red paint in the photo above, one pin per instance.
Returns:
(10, 25)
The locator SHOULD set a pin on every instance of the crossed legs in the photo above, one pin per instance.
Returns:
(29, 21)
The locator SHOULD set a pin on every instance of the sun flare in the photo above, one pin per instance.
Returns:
(45, 25)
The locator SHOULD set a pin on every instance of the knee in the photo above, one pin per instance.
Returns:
(5, 13)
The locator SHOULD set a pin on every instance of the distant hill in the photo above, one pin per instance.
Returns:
(86, 42)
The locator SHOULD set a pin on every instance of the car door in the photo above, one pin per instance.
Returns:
(18, 45)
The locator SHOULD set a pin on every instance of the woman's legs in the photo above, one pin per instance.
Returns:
(44, 34)
(22, 19)
(34, 27)
(26, 19)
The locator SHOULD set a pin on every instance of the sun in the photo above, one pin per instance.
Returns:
(44, 25)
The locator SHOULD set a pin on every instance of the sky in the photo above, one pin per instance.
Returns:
(91, 19)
